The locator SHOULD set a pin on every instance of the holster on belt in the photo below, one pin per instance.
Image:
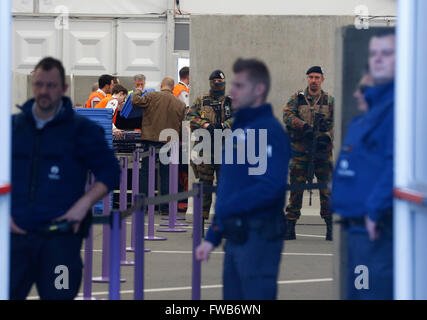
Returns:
(236, 229)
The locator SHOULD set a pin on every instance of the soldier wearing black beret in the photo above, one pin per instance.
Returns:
(308, 117)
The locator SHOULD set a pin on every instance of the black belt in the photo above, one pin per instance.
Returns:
(257, 223)
(387, 218)
(353, 222)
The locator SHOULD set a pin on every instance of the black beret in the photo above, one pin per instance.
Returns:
(315, 69)
(217, 74)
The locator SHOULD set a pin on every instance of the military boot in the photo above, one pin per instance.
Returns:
(290, 231)
(328, 221)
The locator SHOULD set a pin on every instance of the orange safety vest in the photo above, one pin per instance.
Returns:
(95, 94)
(104, 103)
(179, 88)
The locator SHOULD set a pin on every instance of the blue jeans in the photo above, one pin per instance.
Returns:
(34, 258)
(377, 256)
(251, 270)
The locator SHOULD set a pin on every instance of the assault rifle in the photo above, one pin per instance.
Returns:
(312, 152)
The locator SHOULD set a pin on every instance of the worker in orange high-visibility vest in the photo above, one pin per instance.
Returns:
(106, 83)
(182, 92)
(181, 89)
(115, 102)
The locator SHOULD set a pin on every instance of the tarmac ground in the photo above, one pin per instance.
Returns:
(306, 270)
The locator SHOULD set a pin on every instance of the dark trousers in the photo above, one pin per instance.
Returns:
(206, 174)
(52, 262)
(251, 269)
(375, 257)
(164, 176)
(298, 175)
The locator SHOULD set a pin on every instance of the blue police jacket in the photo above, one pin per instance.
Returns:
(50, 166)
(363, 178)
(259, 194)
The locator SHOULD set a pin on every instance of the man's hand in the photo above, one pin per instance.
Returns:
(308, 132)
(371, 227)
(324, 124)
(138, 92)
(79, 210)
(323, 143)
(15, 229)
(121, 105)
(76, 213)
(203, 251)
(212, 126)
(117, 133)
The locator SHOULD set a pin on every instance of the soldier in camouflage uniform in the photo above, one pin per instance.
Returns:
(299, 117)
(211, 111)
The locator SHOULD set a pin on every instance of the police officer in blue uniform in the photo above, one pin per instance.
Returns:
(362, 190)
(52, 150)
(250, 199)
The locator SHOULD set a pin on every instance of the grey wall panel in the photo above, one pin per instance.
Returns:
(288, 44)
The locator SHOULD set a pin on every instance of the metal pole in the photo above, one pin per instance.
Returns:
(106, 230)
(173, 188)
(72, 87)
(151, 187)
(105, 241)
(123, 206)
(404, 148)
(115, 256)
(135, 191)
(197, 239)
(170, 37)
(139, 251)
(87, 286)
(36, 6)
(410, 220)
(5, 83)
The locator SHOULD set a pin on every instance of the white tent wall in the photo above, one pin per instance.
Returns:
(92, 7)
(288, 7)
(266, 7)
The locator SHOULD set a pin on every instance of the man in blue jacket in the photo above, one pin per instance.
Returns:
(52, 150)
(363, 181)
(250, 200)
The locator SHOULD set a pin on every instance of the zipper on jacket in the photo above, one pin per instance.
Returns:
(35, 159)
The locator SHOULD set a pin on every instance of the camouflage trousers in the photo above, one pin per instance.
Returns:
(206, 174)
(298, 175)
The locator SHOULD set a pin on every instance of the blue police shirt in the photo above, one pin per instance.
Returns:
(363, 177)
(260, 194)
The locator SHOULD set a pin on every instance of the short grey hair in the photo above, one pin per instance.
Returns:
(139, 77)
